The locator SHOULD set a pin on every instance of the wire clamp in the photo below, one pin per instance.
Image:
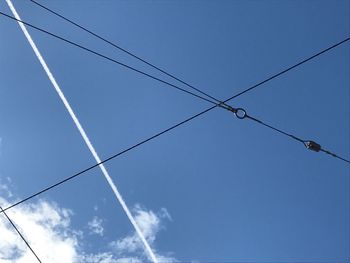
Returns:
(313, 146)
(239, 112)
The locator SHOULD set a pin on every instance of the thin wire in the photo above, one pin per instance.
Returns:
(123, 50)
(290, 68)
(146, 74)
(294, 137)
(153, 137)
(108, 159)
(162, 70)
(108, 58)
(20, 234)
(335, 155)
(221, 104)
(275, 129)
(85, 137)
(189, 85)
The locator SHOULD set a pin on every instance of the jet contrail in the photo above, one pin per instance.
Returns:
(83, 134)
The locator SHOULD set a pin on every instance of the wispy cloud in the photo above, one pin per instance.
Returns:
(150, 224)
(95, 226)
(4, 189)
(47, 227)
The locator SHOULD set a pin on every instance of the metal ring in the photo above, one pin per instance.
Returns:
(240, 113)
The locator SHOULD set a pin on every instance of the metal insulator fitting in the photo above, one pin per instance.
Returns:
(313, 146)
(240, 113)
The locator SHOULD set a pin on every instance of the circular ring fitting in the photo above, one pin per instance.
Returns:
(240, 113)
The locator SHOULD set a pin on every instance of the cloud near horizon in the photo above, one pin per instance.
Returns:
(47, 227)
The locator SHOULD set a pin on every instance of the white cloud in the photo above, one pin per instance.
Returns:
(150, 224)
(47, 227)
(95, 226)
(4, 190)
(108, 257)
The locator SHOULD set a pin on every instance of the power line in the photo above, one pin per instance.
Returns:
(236, 111)
(221, 104)
(98, 36)
(184, 82)
(109, 158)
(311, 145)
(123, 50)
(171, 75)
(20, 234)
(108, 58)
(291, 67)
(85, 137)
(147, 140)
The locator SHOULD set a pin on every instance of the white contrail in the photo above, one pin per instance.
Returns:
(83, 134)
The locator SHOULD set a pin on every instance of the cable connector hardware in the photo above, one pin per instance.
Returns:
(313, 146)
(239, 112)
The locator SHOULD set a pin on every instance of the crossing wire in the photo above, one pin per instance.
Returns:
(163, 132)
(107, 58)
(85, 137)
(109, 42)
(98, 36)
(20, 234)
(184, 82)
(84, 28)
(221, 104)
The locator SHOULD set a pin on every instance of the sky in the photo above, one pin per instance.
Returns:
(217, 189)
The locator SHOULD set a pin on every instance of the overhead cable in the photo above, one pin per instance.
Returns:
(85, 137)
(107, 159)
(20, 234)
(98, 36)
(236, 111)
(109, 42)
(309, 144)
(107, 58)
(221, 104)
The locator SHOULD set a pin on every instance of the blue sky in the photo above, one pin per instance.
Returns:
(222, 189)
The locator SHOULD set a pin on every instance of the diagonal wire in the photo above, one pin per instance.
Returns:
(186, 83)
(306, 143)
(98, 36)
(221, 104)
(157, 135)
(335, 155)
(123, 50)
(85, 137)
(290, 68)
(108, 159)
(20, 234)
(107, 57)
